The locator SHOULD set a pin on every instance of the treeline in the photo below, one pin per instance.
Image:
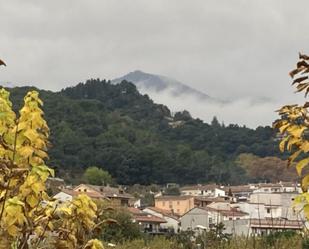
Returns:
(137, 141)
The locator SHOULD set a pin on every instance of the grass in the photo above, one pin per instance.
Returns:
(268, 242)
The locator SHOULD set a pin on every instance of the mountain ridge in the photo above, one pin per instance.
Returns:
(146, 82)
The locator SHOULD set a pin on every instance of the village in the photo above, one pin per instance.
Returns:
(252, 209)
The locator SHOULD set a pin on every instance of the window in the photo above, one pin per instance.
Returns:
(163, 203)
(268, 210)
(178, 211)
(178, 203)
(230, 218)
(85, 190)
(210, 220)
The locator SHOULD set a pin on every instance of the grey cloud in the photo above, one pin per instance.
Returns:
(228, 49)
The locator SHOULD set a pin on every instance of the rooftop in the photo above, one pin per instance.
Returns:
(164, 212)
(174, 197)
(141, 216)
(276, 223)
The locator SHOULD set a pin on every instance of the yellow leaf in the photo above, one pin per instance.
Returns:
(66, 210)
(283, 142)
(26, 151)
(13, 230)
(37, 187)
(305, 146)
(296, 130)
(306, 210)
(301, 164)
(50, 226)
(283, 128)
(293, 157)
(22, 126)
(42, 154)
(291, 142)
(32, 200)
(20, 217)
(94, 244)
(305, 183)
(31, 134)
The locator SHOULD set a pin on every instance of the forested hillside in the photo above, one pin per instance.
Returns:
(116, 128)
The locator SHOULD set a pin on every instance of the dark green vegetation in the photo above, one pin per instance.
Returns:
(138, 141)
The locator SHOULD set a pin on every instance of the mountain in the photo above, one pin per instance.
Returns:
(114, 127)
(147, 83)
(7, 84)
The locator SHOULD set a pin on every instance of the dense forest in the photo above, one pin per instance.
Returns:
(116, 128)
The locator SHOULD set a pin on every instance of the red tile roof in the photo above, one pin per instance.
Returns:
(140, 216)
(164, 212)
(174, 197)
(231, 212)
(94, 195)
(108, 191)
(149, 219)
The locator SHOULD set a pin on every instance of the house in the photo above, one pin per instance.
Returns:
(116, 196)
(172, 220)
(281, 187)
(247, 227)
(147, 222)
(208, 217)
(137, 203)
(240, 192)
(67, 195)
(210, 190)
(203, 201)
(275, 205)
(176, 204)
(220, 205)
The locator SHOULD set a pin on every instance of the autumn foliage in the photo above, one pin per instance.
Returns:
(29, 218)
(293, 127)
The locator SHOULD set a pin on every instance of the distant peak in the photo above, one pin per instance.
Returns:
(138, 71)
(147, 82)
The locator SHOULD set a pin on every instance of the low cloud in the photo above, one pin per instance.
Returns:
(251, 112)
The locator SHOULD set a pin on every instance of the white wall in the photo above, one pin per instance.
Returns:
(63, 197)
(170, 222)
(194, 217)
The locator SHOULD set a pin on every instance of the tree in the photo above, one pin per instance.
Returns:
(172, 191)
(28, 217)
(272, 169)
(96, 176)
(215, 123)
(293, 126)
(122, 230)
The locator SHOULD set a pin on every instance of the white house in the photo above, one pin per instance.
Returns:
(281, 187)
(63, 196)
(275, 205)
(172, 220)
(208, 217)
(210, 190)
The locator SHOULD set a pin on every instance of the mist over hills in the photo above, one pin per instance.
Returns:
(115, 127)
(249, 111)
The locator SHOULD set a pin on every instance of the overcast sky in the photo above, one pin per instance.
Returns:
(233, 49)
